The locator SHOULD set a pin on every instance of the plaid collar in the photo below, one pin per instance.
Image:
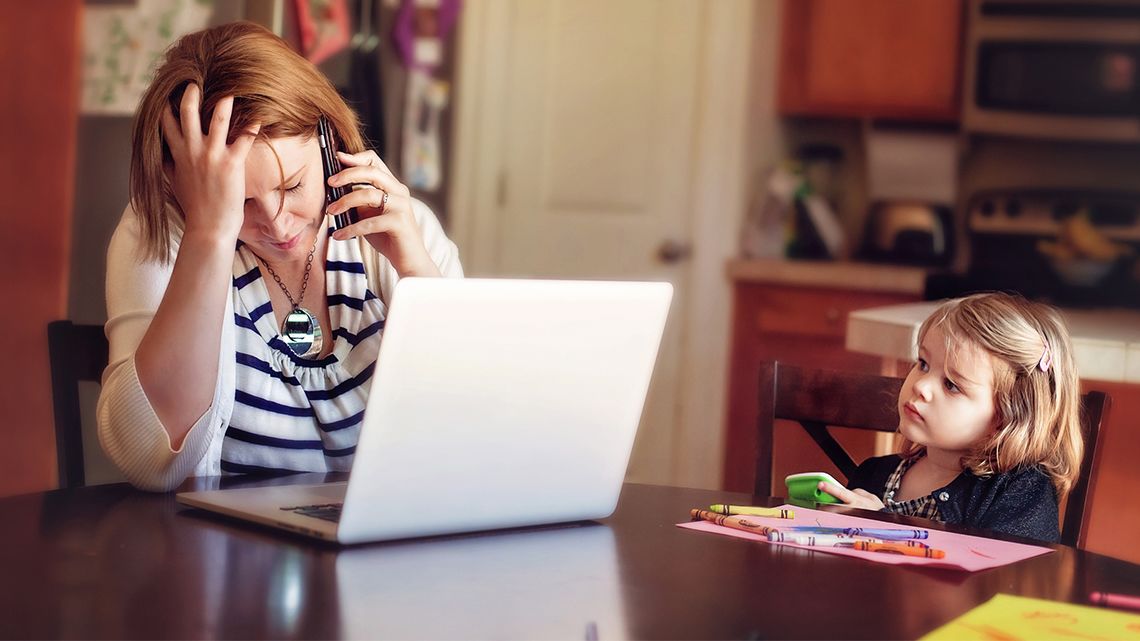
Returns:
(923, 506)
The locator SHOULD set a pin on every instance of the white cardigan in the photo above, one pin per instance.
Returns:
(129, 430)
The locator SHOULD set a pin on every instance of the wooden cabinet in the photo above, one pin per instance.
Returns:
(40, 67)
(801, 325)
(898, 59)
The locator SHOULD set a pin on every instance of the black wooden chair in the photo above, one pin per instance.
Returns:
(817, 399)
(78, 353)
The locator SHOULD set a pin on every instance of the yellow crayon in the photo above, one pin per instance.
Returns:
(752, 511)
(734, 522)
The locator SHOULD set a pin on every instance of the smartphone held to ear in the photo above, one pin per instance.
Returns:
(331, 166)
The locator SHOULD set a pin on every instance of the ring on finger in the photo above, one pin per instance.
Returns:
(384, 202)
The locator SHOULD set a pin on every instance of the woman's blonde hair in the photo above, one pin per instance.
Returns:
(272, 84)
(1037, 392)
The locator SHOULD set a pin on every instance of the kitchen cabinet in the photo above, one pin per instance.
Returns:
(40, 67)
(894, 59)
(797, 314)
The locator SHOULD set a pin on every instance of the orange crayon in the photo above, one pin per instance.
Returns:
(893, 547)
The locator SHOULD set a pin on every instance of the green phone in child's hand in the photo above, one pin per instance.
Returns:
(805, 487)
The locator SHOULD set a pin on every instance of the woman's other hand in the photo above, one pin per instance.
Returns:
(854, 498)
(208, 175)
(390, 227)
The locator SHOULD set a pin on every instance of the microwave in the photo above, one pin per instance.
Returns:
(1067, 70)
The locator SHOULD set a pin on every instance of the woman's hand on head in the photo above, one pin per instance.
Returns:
(390, 227)
(854, 498)
(208, 175)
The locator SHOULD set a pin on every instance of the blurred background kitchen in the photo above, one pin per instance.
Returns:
(784, 164)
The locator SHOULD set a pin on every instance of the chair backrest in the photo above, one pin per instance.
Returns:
(817, 399)
(78, 353)
(1074, 526)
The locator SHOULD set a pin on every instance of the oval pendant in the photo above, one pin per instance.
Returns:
(302, 333)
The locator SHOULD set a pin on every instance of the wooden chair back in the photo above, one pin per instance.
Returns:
(77, 353)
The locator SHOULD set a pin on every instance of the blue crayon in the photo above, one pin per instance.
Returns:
(878, 533)
(890, 534)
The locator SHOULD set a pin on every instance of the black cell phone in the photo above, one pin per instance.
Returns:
(331, 167)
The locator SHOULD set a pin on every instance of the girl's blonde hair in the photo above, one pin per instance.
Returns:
(272, 84)
(1037, 392)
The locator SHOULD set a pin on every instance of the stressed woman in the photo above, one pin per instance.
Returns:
(243, 330)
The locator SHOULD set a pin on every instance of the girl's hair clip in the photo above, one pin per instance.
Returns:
(1046, 359)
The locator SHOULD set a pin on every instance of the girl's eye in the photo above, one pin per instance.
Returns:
(295, 187)
(922, 365)
(951, 387)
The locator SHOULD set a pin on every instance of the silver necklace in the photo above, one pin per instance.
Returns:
(300, 330)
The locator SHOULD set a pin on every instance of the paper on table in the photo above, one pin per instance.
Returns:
(1016, 617)
(971, 553)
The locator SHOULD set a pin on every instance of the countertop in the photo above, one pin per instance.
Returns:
(851, 275)
(1106, 343)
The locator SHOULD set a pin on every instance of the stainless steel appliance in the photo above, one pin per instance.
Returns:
(1057, 69)
(1069, 247)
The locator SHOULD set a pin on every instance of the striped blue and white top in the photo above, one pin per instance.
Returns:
(293, 414)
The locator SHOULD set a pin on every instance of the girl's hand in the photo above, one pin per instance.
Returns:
(854, 498)
(389, 227)
(208, 175)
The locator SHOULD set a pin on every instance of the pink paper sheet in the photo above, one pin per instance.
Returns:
(970, 553)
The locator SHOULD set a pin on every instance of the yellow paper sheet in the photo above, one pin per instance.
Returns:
(1010, 618)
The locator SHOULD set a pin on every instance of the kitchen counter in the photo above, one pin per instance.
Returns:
(1106, 343)
(868, 277)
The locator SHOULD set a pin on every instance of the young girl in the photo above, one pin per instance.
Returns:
(243, 332)
(990, 417)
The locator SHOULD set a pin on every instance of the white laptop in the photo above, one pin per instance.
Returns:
(495, 403)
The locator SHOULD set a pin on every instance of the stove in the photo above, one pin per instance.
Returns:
(1055, 246)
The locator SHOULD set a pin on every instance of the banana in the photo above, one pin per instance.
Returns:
(1079, 234)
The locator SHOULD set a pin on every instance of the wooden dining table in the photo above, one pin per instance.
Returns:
(114, 562)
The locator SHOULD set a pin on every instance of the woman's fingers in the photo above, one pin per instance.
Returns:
(370, 198)
(245, 140)
(363, 159)
(369, 175)
(220, 125)
(365, 227)
(188, 114)
(171, 133)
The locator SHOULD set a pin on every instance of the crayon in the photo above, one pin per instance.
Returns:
(890, 534)
(752, 511)
(895, 548)
(833, 540)
(734, 522)
(826, 540)
(1115, 600)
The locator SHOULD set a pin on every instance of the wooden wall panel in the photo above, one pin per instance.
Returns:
(39, 58)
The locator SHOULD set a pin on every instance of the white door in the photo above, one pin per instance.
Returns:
(594, 174)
